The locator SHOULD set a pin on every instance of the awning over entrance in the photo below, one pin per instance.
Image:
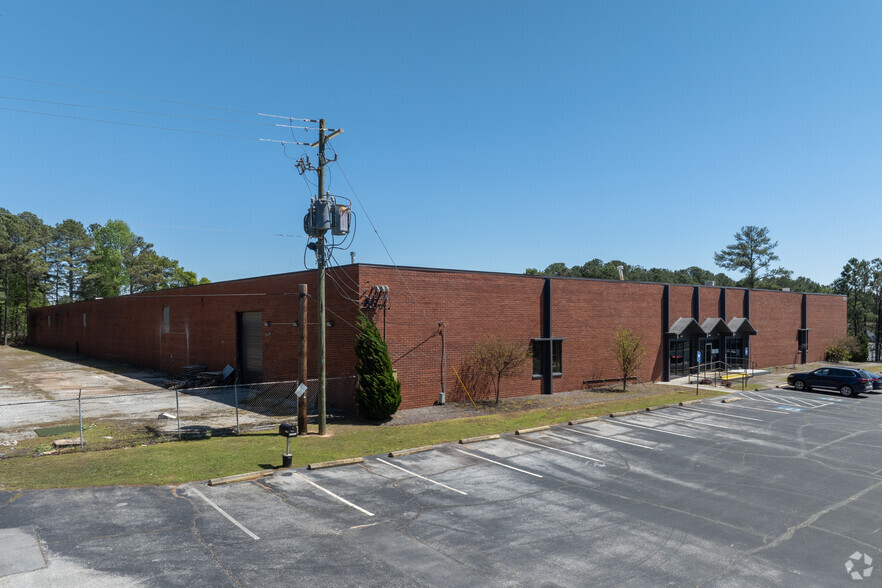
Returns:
(686, 327)
(715, 326)
(741, 326)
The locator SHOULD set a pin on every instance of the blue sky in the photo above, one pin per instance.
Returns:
(494, 135)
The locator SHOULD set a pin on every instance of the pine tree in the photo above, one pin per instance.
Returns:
(379, 393)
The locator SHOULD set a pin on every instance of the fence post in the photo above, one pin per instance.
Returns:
(80, 410)
(178, 413)
(236, 399)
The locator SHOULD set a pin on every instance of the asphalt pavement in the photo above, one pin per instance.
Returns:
(780, 488)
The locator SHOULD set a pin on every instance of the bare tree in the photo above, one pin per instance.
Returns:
(628, 350)
(500, 359)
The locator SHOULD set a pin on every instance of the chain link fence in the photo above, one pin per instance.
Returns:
(93, 420)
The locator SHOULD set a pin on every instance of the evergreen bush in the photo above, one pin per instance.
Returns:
(379, 393)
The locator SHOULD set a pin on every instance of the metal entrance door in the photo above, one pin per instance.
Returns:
(249, 327)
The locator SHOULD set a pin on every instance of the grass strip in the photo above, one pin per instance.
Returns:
(178, 462)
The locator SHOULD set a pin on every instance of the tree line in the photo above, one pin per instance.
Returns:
(753, 254)
(41, 264)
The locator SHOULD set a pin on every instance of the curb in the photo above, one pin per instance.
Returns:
(585, 420)
(732, 399)
(332, 464)
(476, 439)
(659, 407)
(613, 415)
(411, 451)
(532, 430)
(688, 402)
(240, 478)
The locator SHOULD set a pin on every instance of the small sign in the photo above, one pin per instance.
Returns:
(746, 351)
(301, 390)
(715, 351)
(699, 356)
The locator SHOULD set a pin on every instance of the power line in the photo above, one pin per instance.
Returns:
(190, 116)
(395, 265)
(214, 229)
(143, 126)
(113, 93)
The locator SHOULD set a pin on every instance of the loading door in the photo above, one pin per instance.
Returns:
(250, 337)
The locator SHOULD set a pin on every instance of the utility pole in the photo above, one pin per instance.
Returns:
(323, 216)
(323, 383)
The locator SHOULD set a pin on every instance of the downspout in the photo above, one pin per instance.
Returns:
(443, 399)
(666, 342)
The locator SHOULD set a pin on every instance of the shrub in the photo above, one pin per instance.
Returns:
(499, 359)
(836, 352)
(848, 349)
(379, 393)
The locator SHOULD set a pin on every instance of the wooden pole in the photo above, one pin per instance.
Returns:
(301, 403)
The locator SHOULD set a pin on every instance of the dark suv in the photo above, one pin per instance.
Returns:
(848, 381)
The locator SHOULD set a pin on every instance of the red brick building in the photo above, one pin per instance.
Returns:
(432, 319)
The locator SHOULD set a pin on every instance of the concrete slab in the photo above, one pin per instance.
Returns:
(21, 551)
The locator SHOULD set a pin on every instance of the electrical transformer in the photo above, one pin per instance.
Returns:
(340, 222)
(324, 215)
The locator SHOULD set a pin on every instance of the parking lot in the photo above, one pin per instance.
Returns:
(781, 488)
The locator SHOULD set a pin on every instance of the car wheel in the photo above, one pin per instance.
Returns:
(846, 391)
(800, 385)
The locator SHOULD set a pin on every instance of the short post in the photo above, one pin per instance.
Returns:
(80, 410)
(287, 430)
(236, 399)
(178, 412)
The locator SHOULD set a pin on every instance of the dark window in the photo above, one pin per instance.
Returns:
(540, 354)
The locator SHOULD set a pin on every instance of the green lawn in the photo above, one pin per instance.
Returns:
(177, 462)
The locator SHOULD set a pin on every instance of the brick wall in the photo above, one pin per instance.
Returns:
(827, 320)
(472, 307)
(777, 317)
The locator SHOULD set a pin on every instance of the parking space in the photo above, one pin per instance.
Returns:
(742, 493)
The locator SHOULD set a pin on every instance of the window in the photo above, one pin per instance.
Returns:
(165, 319)
(540, 353)
(803, 339)
(84, 319)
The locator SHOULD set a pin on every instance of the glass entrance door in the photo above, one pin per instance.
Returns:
(680, 356)
(710, 350)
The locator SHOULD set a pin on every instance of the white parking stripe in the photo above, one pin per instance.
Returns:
(328, 492)
(690, 421)
(784, 400)
(497, 463)
(633, 424)
(220, 510)
(608, 438)
(761, 409)
(414, 474)
(560, 450)
(725, 414)
(806, 402)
